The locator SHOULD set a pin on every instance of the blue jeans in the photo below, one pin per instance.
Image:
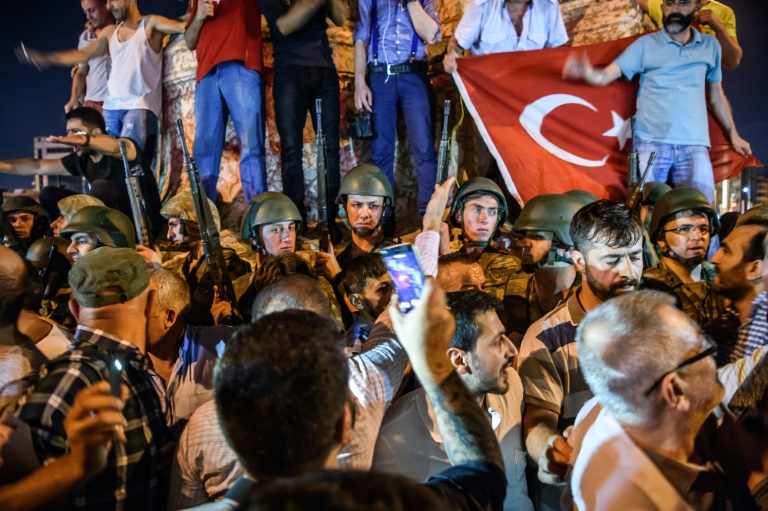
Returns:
(681, 165)
(413, 92)
(230, 89)
(138, 125)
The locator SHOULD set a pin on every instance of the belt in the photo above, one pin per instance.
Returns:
(418, 66)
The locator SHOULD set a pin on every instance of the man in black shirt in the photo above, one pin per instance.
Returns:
(96, 157)
(304, 72)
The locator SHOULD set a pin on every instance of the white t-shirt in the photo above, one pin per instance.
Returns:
(98, 70)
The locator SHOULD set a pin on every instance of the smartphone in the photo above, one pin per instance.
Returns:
(404, 266)
(115, 375)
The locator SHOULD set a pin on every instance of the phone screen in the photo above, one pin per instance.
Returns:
(402, 262)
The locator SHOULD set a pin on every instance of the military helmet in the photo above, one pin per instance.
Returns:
(652, 192)
(39, 251)
(182, 206)
(22, 203)
(582, 195)
(74, 203)
(111, 227)
(551, 213)
(677, 200)
(478, 186)
(268, 208)
(366, 179)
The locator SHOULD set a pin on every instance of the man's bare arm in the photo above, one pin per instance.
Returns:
(164, 25)
(192, 33)
(78, 88)
(102, 144)
(453, 52)
(41, 60)
(722, 112)
(539, 425)
(423, 23)
(33, 167)
(298, 15)
(731, 50)
(338, 12)
(578, 67)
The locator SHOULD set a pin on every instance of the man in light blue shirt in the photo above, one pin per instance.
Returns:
(389, 43)
(679, 72)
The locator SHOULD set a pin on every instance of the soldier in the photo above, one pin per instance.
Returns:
(68, 206)
(271, 224)
(183, 229)
(551, 278)
(681, 226)
(98, 226)
(53, 295)
(364, 194)
(652, 192)
(27, 218)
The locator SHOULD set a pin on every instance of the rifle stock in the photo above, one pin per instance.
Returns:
(209, 233)
(138, 205)
(322, 181)
(442, 161)
(635, 194)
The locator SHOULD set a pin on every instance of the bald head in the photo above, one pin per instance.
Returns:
(13, 284)
(292, 292)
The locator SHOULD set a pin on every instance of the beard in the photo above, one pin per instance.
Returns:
(605, 293)
(119, 15)
(482, 381)
(676, 22)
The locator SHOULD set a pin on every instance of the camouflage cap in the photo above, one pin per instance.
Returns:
(106, 267)
(74, 203)
(22, 203)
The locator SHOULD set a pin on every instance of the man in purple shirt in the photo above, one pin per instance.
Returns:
(389, 42)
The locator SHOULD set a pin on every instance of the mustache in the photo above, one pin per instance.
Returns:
(625, 283)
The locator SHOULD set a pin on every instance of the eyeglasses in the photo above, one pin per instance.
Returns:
(681, 3)
(688, 230)
(710, 348)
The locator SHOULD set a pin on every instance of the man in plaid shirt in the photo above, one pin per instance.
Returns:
(112, 299)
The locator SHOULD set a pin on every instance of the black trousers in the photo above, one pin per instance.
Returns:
(295, 91)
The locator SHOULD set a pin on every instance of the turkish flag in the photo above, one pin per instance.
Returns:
(551, 135)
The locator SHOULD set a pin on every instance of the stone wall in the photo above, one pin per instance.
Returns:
(587, 21)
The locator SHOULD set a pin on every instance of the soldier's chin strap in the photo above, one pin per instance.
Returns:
(554, 256)
(690, 262)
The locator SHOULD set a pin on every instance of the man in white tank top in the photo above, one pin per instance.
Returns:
(134, 96)
(89, 82)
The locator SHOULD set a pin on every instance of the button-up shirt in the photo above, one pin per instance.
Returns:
(754, 333)
(130, 479)
(487, 28)
(396, 30)
(191, 382)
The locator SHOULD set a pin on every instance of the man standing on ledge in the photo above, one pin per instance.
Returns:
(679, 72)
(227, 36)
(304, 72)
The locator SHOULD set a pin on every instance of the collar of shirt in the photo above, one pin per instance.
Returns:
(758, 304)
(111, 344)
(575, 309)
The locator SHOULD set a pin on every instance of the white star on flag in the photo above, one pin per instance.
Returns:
(621, 129)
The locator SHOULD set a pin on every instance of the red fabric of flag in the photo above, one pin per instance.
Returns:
(551, 135)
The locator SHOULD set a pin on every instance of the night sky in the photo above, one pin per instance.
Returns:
(32, 102)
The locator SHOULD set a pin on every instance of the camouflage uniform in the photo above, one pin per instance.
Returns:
(698, 300)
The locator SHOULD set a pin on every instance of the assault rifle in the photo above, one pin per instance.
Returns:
(442, 160)
(138, 205)
(633, 173)
(322, 181)
(635, 194)
(209, 233)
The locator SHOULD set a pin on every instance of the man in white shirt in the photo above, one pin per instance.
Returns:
(409, 442)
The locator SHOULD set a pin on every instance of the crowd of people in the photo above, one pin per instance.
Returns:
(583, 355)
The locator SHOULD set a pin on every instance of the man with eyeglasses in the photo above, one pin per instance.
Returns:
(651, 445)
(681, 228)
(96, 157)
(680, 74)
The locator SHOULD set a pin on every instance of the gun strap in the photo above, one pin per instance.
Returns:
(375, 34)
(454, 133)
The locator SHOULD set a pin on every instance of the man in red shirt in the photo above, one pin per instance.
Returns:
(227, 36)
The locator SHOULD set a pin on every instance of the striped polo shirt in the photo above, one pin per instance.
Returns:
(549, 363)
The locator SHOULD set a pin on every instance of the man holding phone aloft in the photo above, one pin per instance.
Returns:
(227, 37)
(390, 38)
(112, 299)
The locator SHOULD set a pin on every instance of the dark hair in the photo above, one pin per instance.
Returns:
(291, 292)
(465, 307)
(754, 251)
(336, 490)
(727, 223)
(360, 269)
(455, 257)
(607, 222)
(90, 117)
(280, 389)
(274, 268)
(13, 289)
